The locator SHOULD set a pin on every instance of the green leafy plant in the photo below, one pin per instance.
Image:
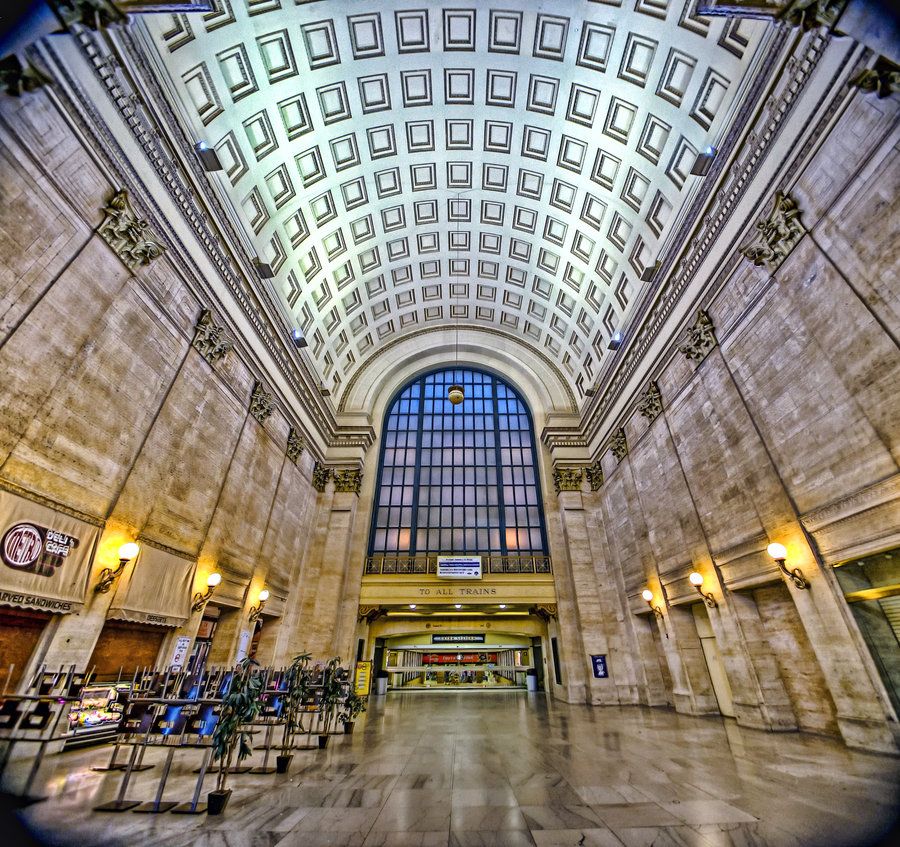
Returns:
(240, 705)
(331, 692)
(296, 690)
(352, 707)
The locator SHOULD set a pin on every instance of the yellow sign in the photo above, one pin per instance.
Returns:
(362, 679)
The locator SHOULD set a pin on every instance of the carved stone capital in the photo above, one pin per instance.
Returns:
(594, 474)
(320, 476)
(809, 14)
(883, 79)
(296, 444)
(650, 404)
(261, 403)
(209, 338)
(776, 235)
(567, 479)
(347, 480)
(127, 234)
(699, 338)
(619, 444)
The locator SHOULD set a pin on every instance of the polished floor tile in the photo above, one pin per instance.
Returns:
(501, 769)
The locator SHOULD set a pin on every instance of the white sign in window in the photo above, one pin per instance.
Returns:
(459, 567)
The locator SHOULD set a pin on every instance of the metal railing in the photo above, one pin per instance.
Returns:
(427, 564)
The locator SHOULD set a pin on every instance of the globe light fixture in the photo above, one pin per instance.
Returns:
(455, 394)
(697, 581)
(200, 600)
(127, 552)
(256, 611)
(647, 594)
(779, 553)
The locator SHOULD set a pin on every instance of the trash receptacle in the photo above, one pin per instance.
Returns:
(531, 680)
(381, 684)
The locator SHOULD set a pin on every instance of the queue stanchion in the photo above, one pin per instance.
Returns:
(201, 725)
(169, 724)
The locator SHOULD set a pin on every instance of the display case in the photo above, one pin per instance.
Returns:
(97, 715)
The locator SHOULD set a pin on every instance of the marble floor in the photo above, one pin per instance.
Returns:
(503, 768)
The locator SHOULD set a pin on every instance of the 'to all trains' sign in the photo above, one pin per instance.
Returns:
(35, 549)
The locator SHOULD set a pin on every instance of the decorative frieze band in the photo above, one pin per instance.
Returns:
(261, 403)
(567, 479)
(699, 338)
(127, 234)
(209, 338)
(776, 235)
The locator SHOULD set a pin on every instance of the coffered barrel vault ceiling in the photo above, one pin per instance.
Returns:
(407, 166)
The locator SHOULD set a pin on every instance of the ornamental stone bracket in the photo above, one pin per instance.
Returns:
(650, 404)
(776, 235)
(347, 480)
(127, 234)
(296, 444)
(567, 479)
(320, 476)
(545, 611)
(700, 338)
(594, 474)
(882, 79)
(370, 614)
(209, 338)
(619, 444)
(261, 403)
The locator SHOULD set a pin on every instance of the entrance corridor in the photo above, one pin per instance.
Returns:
(508, 768)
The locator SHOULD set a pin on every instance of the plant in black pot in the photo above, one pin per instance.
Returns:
(352, 707)
(331, 697)
(296, 690)
(240, 705)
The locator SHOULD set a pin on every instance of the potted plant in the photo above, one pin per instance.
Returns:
(352, 708)
(331, 697)
(240, 704)
(296, 690)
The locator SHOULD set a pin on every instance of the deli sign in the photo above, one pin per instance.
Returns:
(31, 548)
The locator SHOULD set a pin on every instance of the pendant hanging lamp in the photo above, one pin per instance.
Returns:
(455, 393)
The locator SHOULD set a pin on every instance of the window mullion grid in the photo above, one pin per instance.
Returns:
(417, 474)
(495, 402)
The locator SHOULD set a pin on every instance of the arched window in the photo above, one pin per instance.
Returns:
(458, 479)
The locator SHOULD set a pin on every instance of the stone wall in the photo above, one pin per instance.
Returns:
(787, 430)
(107, 410)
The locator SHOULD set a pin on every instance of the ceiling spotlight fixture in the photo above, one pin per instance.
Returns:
(457, 605)
(412, 605)
(590, 392)
(703, 162)
(323, 390)
(615, 341)
(649, 272)
(299, 341)
(503, 605)
(263, 269)
(208, 157)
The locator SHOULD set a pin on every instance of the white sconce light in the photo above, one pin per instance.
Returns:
(127, 552)
(697, 581)
(779, 554)
(200, 600)
(256, 611)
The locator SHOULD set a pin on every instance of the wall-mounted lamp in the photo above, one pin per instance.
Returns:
(647, 594)
(256, 611)
(127, 552)
(200, 600)
(697, 581)
(263, 269)
(703, 162)
(779, 554)
(649, 272)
